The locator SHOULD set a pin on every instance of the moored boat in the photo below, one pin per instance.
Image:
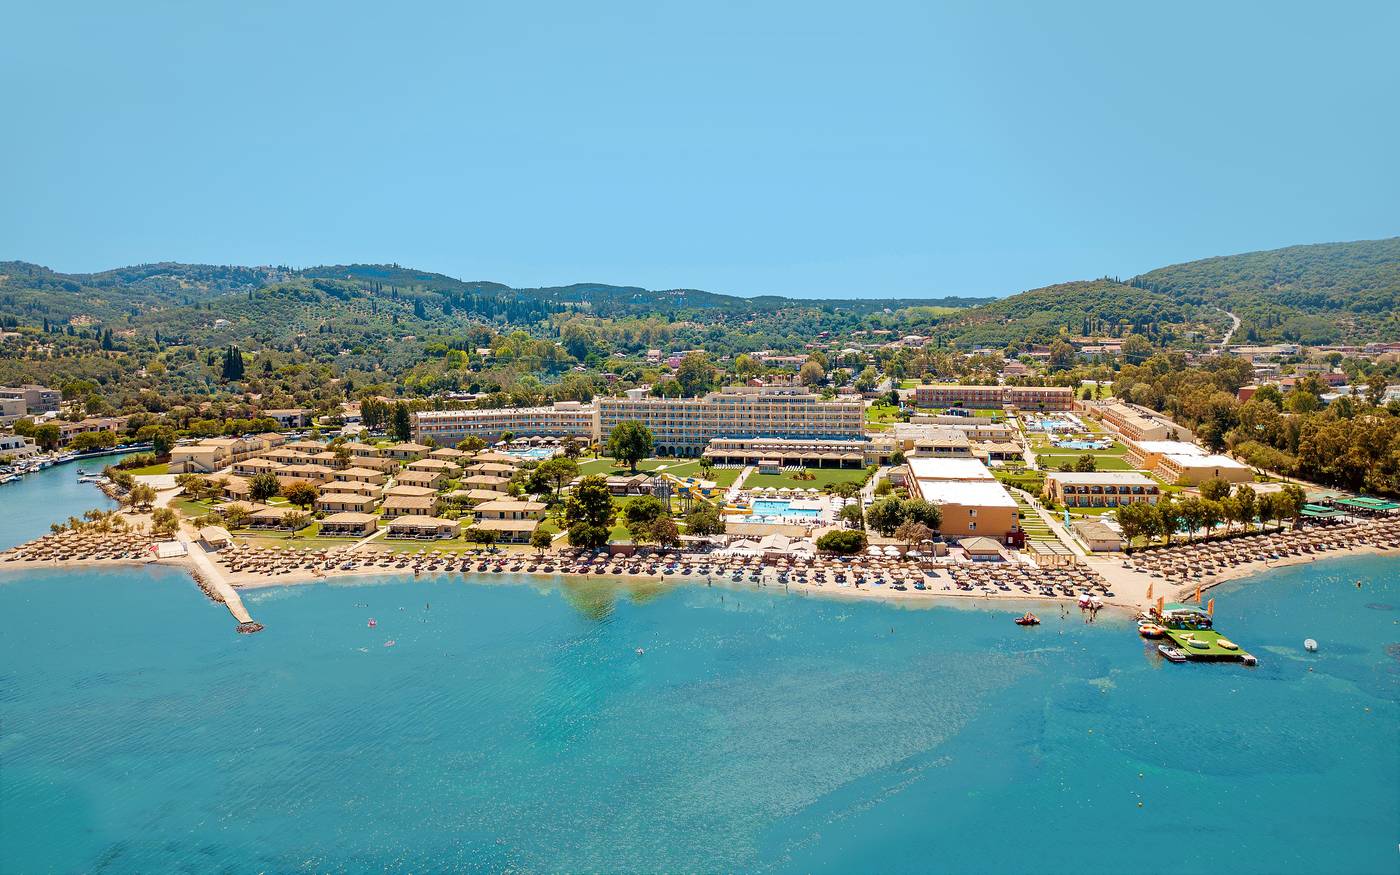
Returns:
(1171, 653)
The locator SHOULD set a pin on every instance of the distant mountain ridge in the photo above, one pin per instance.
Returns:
(1313, 293)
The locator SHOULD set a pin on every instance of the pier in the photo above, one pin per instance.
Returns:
(218, 582)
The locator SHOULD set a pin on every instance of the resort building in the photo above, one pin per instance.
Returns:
(396, 506)
(247, 467)
(362, 475)
(17, 446)
(294, 417)
(11, 411)
(977, 428)
(1185, 464)
(36, 399)
(941, 443)
(214, 454)
(1097, 536)
(561, 419)
(69, 430)
(338, 502)
(1101, 488)
(423, 528)
(512, 520)
(1133, 422)
(972, 501)
(349, 524)
(806, 454)
(432, 479)
(407, 451)
(316, 474)
(358, 487)
(440, 466)
(684, 426)
(992, 397)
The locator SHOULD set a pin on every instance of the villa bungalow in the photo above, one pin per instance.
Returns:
(447, 454)
(271, 439)
(494, 469)
(272, 518)
(349, 524)
(406, 451)
(441, 466)
(362, 475)
(338, 502)
(510, 509)
(474, 496)
(510, 531)
(371, 489)
(198, 459)
(486, 481)
(396, 506)
(236, 487)
(357, 448)
(405, 489)
(284, 456)
(496, 458)
(378, 463)
(292, 417)
(432, 479)
(316, 474)
(254, 467)
(424, 528)
(305, 446)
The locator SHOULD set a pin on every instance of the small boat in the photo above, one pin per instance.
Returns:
(1171, 653)
(1028, 619)
(1151, 630)
(390, 643)
(1310, 645)
(372, 623)
(641, 651)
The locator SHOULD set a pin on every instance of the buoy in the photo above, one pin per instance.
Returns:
(1310, 645)
(372, 623)
(640, 651)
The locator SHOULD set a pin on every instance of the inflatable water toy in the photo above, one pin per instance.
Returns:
(1151, 630)
(1028, 619)
(1310, 645)
(1227, 644)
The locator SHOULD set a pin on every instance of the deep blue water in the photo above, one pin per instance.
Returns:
(513, 727)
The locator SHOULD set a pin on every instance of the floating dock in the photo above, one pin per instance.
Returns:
(1212, 651)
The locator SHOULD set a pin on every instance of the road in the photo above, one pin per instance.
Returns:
(1224, 344)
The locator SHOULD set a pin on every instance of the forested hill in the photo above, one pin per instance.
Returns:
(1324, 293)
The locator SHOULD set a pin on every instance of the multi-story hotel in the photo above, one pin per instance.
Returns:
(1132, 422)
(683, 426)
(449, 427)
(973, 502)
(1185, 464)
(989, 397)
(1101, 488)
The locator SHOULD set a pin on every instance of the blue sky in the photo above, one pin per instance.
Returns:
(809, 149)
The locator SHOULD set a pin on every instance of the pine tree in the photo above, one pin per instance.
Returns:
(233, 363)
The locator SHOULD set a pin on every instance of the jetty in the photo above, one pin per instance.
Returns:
(217, 581)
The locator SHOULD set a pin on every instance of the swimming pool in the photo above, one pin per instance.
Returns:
(1083, 445)
(534, 454)
(782, 507)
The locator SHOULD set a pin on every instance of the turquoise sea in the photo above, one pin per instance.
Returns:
(514, 727)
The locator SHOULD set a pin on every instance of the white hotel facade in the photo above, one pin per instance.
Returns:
(679, 426)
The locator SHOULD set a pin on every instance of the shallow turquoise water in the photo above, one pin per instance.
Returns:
(30, 504)
(514, 727)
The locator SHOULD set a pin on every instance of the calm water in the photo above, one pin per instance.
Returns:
(30, 504)
(513, 727)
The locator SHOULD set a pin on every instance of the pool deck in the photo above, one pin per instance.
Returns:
(1213, 653)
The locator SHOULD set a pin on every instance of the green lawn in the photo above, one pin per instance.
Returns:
(161, 468)
(1104, 462)
(824, 477)
(879, 416)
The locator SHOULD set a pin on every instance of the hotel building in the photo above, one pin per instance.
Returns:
(450, 427)
(1101, 488)
(991, 397)
(1133, 422)
(1185, 464)
(973, 502)
(683, 426)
